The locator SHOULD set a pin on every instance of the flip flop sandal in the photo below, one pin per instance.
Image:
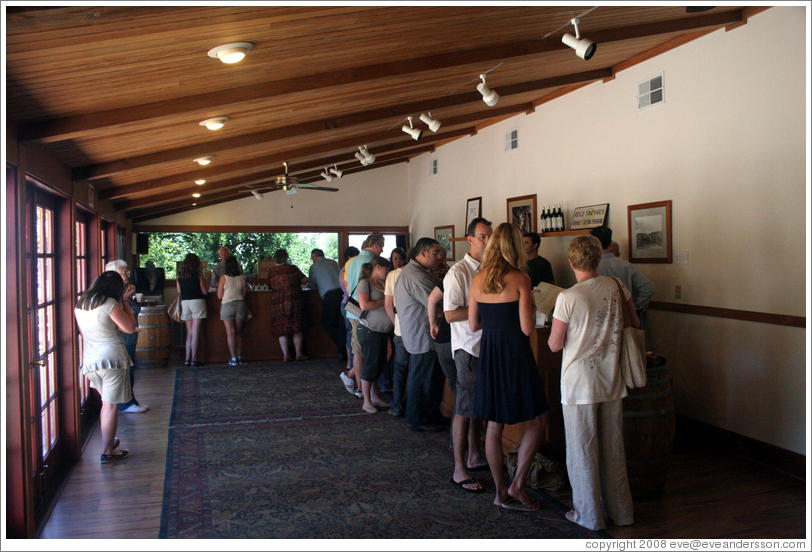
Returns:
(514, 504)
(462, 484)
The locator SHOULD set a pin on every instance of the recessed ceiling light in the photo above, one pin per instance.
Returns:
(200, 182)
(231, 53)
(204, 160)
(215, 123)
(195, 195)
(193, 204)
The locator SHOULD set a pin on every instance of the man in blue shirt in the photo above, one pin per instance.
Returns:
(324, 276)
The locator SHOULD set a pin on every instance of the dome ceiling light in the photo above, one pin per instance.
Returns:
(231, 53)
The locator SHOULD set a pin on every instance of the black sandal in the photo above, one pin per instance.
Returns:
(187, 363)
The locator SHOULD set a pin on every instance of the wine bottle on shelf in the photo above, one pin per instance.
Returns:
(545, 219)
(542, 221)
(561, 226)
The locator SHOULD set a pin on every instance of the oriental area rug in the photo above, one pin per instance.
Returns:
(283, 451)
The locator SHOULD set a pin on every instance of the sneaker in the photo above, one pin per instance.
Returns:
(105, 458)
(359, 394)
(349, 383)
(137, 408)
(233, 362)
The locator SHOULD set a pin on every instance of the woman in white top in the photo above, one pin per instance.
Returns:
(233, 311)
(105, 362)
(588, 325)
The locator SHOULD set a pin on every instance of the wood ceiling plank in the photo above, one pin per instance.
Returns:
(67, 127)
(396, 112)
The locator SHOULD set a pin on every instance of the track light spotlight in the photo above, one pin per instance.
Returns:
(335, 170)
(361, 158)
(370, 159)
(326, 176)
(583, 47)
(433, 124)
(257, 195)
(413, 132)
(490, 97)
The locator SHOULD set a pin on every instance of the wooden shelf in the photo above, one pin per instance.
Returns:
(583, 232)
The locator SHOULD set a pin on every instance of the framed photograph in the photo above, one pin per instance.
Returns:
(473, 209)
(590, 216)
(650, 232)
(445, 237)
(521, 211)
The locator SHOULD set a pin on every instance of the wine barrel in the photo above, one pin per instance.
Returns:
(155, 338)
(648, 430)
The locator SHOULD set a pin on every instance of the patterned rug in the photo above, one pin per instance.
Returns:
(283, 451)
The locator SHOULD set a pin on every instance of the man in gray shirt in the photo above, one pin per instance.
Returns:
(629, 274)
(219, 270)
(411, 296)
(324, 276)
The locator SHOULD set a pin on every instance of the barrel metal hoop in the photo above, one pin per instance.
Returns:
(649, 396)
(147, 327)
(650, 461)
(648, 413)
(153, 348)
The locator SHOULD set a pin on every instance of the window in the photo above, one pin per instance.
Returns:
(166, 249)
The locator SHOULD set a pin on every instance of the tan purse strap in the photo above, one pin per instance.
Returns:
(627, 318)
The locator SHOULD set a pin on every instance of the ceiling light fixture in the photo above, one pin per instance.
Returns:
(433, 124)
(231, 53)
(200, 182)
(326, 176)
(413, 132)
(583, 47)
(257, 195)
(490, 97)
(204, 160)
(195, 195)
(369, 157)
(214, 124)
(336, 171)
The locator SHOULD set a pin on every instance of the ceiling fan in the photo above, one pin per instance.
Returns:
(290, 184)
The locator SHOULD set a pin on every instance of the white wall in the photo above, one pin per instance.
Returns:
(370, 198)
(728, 148)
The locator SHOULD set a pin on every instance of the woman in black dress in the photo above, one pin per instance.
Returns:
(509, 389)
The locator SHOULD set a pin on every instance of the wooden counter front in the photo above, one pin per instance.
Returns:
(549, 365)
(257, 343)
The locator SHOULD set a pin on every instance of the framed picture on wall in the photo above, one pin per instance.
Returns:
(473, 209)
(590, 216)
(521, 211)
(445, 237)
(650, 232)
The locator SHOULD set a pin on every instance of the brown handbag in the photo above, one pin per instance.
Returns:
(544, 473)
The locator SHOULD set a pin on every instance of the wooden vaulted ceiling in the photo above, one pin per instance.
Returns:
(117, 92)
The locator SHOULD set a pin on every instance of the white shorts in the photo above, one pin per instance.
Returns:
(113, 385)
(193, 308)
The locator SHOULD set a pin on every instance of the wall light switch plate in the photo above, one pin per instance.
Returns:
(681, 257)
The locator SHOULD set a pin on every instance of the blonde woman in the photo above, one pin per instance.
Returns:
(509, 389)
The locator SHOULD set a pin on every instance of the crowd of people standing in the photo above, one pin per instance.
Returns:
(468, 324)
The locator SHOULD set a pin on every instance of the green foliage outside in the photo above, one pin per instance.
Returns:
(168, 248)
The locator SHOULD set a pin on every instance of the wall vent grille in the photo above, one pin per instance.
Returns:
(651, 92)
(433, 168)
(512, 140)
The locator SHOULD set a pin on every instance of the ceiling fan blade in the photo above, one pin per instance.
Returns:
(317, 188)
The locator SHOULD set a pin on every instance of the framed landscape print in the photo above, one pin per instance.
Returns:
(650, 232)
(521, 212)
(473, 209)
(445, 237)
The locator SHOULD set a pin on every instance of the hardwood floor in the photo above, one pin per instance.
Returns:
(709, 494)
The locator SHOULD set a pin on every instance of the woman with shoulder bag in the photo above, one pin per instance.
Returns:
(373, 330)
(588, 326)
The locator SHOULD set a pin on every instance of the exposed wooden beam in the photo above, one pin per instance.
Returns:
(278, 158)
(241, 181)
(142, 215)
(102, 170)
(73, 126)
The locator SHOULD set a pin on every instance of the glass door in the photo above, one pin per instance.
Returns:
(41, 252)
